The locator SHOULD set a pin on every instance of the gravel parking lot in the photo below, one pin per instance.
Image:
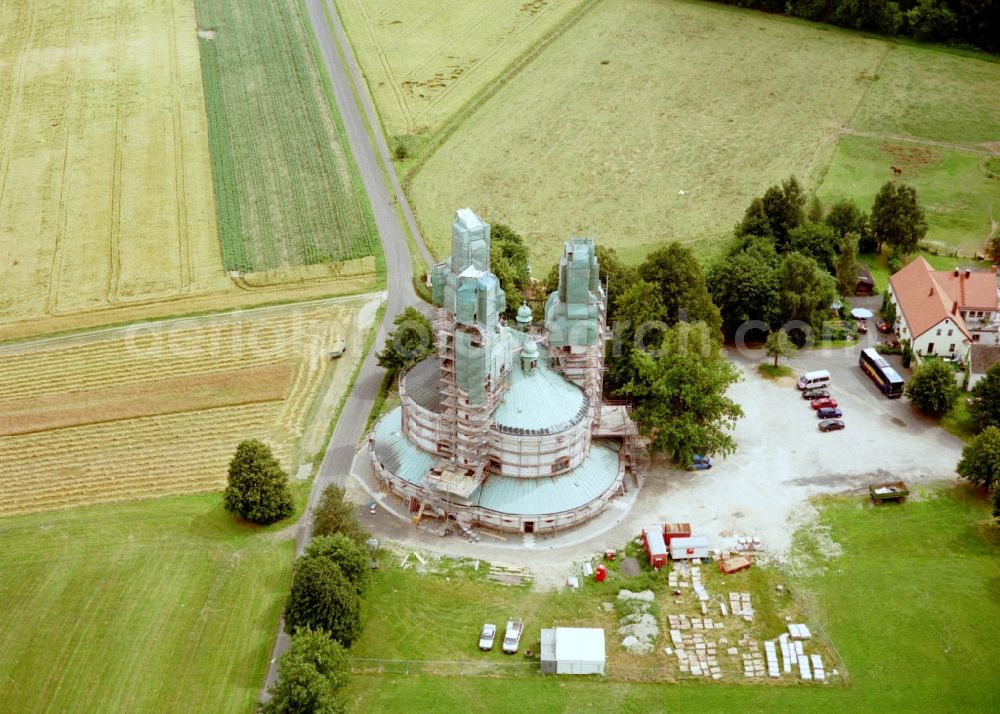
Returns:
(761, 491)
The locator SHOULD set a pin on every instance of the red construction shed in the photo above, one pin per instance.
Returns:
(676, 530)
(656, 547)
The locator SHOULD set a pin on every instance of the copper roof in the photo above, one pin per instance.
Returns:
(922, 300)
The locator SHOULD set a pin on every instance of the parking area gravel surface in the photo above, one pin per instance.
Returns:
(762, 491)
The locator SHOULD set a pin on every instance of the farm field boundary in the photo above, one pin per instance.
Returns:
(425, 63)
(612, 131)
(186, 444)
(283, 176)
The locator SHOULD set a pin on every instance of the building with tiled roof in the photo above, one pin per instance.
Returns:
(505, 427)
(944, 312)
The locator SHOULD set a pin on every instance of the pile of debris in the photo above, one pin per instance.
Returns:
(638, 624)
(509, 574)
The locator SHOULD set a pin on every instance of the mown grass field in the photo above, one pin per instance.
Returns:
(908, 605)
(649, 121)
(283, 176)
(165, 605)
(160, 410)
(424, 61)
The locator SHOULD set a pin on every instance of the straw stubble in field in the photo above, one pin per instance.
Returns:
(423, 61)
(105, 181)
(160, 411)
(647, 122)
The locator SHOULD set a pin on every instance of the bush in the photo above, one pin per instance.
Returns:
(311, 676)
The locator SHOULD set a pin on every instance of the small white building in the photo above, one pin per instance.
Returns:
(981, 358)
(572, 650)
(692, 548)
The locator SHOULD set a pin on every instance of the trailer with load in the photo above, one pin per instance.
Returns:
(888, 491)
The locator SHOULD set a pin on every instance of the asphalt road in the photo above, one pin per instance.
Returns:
(336, 465)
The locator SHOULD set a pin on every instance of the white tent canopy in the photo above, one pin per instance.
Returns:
(861, 313)
(575, 650)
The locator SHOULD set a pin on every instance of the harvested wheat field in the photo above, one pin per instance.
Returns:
(158, 409)
(107, 209)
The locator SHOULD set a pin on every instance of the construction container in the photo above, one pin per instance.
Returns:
(689, 548)
(676, 530)
(655, 546)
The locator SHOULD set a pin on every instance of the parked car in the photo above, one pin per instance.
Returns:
(486, 637)
(512, 636)
(815, 394)
(831, 425)
(829, 413)
(822, 402)
(700, 463)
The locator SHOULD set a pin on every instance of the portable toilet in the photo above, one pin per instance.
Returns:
(655, 546)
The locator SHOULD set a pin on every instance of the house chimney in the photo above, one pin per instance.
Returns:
(954, 307)
(956, 271)
(931, 292)
(968, 272)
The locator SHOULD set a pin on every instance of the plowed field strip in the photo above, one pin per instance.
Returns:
(138, 399)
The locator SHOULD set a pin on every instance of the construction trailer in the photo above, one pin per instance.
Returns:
(676, 530)
(572, 650)
(693, 548)
(655, 546)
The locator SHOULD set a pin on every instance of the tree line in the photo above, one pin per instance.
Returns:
(329, 580)
(965, 22)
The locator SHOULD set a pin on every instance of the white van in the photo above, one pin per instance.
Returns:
(814, 380)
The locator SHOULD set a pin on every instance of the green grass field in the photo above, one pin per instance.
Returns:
(646, 122)
(958, 198)
(164, 605)
(909, 605)
(637, 122)
(284, 182)
(424, 61)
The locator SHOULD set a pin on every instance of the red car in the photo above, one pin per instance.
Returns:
(824, 402)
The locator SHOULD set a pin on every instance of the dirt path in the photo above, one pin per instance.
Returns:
(979, 150)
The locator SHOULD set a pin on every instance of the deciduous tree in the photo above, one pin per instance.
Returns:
(312, 674)
(817, 240)
(335, 514)
(932, 388)
(745, 287)
(677, 276)
(980, 462)
(847, 265)
(410, 342)
(680, 394)
(352, 558)
(897, 219)
(985, 406)
(807, 290)
(322, 597)
(778, 345)
(257, 490)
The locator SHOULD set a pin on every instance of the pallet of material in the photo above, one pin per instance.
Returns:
(735, 564)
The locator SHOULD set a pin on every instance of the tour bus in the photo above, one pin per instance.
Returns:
(885, 377)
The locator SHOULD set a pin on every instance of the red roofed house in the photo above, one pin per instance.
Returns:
(943, 312)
